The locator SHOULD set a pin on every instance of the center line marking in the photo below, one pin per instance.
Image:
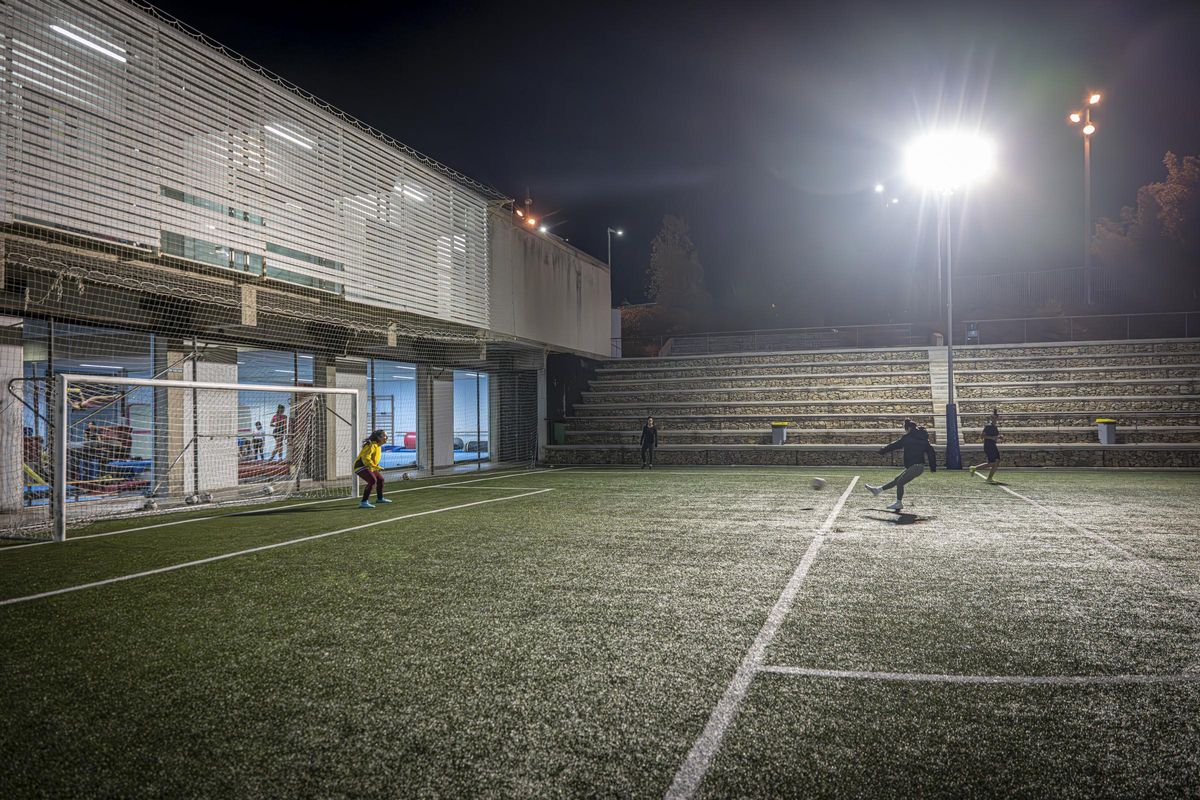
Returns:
(260, 549)
(691, 773)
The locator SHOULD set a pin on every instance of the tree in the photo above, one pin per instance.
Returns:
(1156, 246)
(675, 275)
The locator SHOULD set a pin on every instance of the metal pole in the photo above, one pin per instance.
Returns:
(1087, 210)
(953, 456)
(196, 422)
(478, 432)
(610, 249)
(59, 498)
(354, 440)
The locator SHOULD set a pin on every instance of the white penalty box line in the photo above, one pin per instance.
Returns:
(699, 759)
(1172, 580)
(262, 548)
(269, 509)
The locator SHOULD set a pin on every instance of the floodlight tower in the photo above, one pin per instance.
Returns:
(943, 163)
(1084, 120)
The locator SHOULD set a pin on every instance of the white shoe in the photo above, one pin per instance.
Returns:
(875, 490)
(895, 506)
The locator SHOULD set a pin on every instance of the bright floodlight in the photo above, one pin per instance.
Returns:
(879, 188)
(1095, 98)
(620, 232)
(1075, 116)
(1089, 129)
(946, 161)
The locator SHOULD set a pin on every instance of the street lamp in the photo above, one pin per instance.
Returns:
(944, 163)
(611, 231)
(1087, 128)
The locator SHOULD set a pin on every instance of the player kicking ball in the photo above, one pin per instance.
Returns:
(366, 466)
(917, 449)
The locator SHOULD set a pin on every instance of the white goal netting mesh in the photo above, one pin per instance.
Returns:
(141, 446)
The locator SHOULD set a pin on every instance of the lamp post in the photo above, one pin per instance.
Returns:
(1084, 120)
(943, 163)
(611, 231)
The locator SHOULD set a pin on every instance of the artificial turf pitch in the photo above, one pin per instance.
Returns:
(485, 640)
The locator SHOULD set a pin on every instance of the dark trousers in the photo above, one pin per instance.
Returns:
(648, 453)
(374, 479)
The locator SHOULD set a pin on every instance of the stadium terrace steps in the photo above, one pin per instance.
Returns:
(845, 403)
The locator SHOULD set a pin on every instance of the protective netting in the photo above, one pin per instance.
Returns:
(169, 211)
(142, 446)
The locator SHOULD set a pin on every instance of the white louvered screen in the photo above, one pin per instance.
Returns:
(122, 126)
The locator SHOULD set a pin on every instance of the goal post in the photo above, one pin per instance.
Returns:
(125, 446)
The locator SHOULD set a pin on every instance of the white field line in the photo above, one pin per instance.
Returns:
(342, 499)
(705, 471)
(691, 773)
(916, 677)
(1148, 565)
(261, 548)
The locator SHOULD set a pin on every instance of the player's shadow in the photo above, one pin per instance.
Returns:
(995, 483)
(900, 518)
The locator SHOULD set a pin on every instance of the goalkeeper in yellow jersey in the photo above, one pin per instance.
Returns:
(366, 466)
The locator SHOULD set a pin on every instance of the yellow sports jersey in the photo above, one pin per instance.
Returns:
(368, 457)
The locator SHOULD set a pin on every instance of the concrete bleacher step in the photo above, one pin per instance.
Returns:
(1156, 456)
(863, 394)
(1085, 434)
(1078, 373)
(1100, 405)
(791, 380)
(771, 407)
(1091, 388)
(740, 370)
(667, 436)
(758, 422)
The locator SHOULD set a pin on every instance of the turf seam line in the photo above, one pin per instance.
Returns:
(917, 677)
(260, 548)
(1149, 565)
(699, 759)
(345, 498)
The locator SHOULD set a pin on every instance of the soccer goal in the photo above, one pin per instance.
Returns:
(124, 446)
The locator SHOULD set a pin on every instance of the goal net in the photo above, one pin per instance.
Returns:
(122, 446)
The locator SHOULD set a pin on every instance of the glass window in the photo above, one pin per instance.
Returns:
(110, 427)
(471, 440)
(394, 409)
(265, 419)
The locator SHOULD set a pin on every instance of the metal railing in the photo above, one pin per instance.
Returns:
(1015, 330)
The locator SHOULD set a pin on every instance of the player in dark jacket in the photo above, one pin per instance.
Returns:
(917, 449)
(991, 451)
(649, 442)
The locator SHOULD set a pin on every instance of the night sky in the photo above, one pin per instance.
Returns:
(764, 125)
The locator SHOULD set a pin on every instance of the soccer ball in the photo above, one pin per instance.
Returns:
(150, 505)
(817, 483)
(192, 499)
(268, 490)
(406, 477)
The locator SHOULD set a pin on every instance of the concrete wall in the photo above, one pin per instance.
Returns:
(546, 291)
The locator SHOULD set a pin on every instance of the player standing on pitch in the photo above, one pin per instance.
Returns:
(649, 441)
(917, 449)
(991, 451)
(366, 466)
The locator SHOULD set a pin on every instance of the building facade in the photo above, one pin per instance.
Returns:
(171, 210)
